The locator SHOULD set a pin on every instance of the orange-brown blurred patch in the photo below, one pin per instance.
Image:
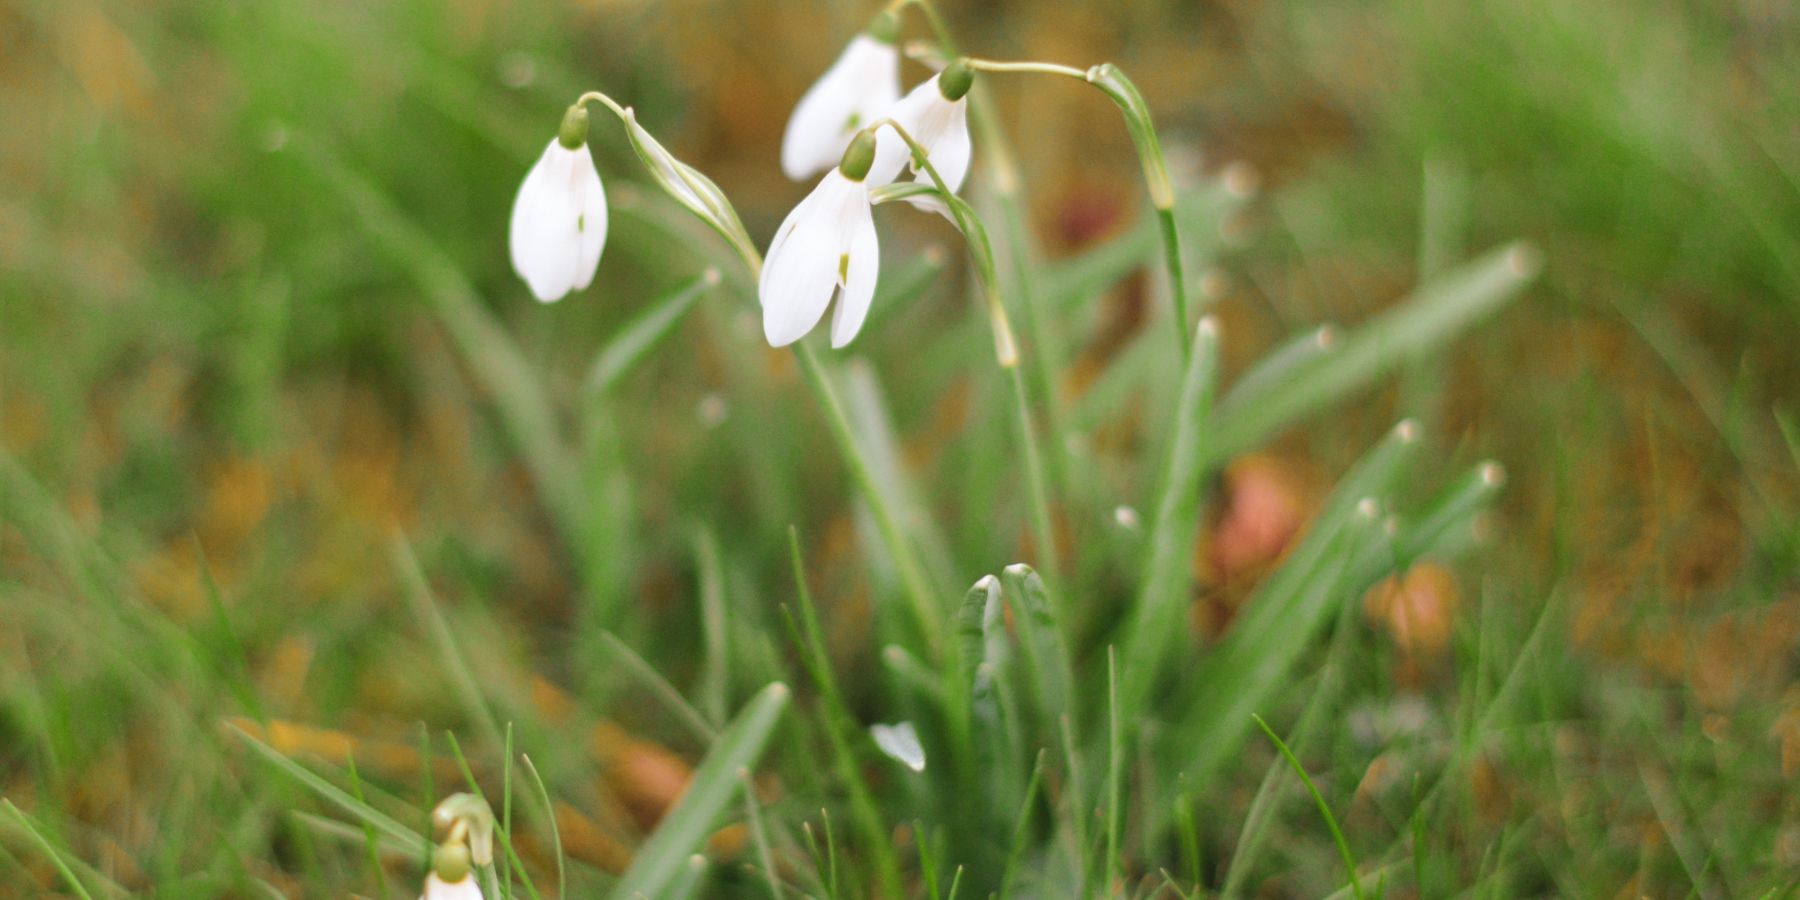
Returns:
(1416, 608)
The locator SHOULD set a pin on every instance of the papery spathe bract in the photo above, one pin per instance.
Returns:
(559, 221)
(858, 89)
(464, 888)
(826, 247)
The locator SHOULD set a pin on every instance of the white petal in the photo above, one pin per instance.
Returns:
(439, 889)
(590, 200)
(857, 221)
(800, 272)
(947, 124)
(857, 89)
(901, 743)
(559, 223)
(891, 152)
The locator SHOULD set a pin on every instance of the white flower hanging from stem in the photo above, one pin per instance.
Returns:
(936, 115)
(859, 87)
(559, 217)
(826, 247)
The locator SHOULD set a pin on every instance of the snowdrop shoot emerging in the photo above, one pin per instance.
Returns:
(559, 218)
(827, 246)
(858, 89)
(936, 114)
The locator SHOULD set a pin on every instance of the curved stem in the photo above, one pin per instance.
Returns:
(608, 102)
(991, 65)
(1005, 346)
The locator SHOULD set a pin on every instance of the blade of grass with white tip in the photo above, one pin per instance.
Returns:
(1279, 364)
(656, 321)
(1042, 643)
(1442, 527)
(1251, 661)
(1156, 619)
(1433, 315)
(658, 864)
(328, 791)
(1375, 475)
(688, 881)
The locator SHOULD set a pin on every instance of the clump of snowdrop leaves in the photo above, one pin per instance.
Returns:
(936, 115)
(559, 218)
(859, 88)
(827, 246)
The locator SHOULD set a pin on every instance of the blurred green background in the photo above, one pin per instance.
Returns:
(234, 424)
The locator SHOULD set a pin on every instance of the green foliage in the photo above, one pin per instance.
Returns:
(292, 465)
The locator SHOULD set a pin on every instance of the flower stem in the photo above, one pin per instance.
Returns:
(1125, 95)
(1006, 349)
(992, 65)
(917, 588)
(1177, 281)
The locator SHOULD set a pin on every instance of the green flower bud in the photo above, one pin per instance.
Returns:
(574, 127)
(859, 156)
(451, 862)
(956, 79)
(885, 27)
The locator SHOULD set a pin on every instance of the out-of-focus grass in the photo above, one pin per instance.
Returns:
(226, 399)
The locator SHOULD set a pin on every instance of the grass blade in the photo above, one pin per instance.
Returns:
(325, 789)
(1436, 313)
(537, 781)
(49, 849)
(1156, 619)
(838, 723)
(1337, 834)
(660, 862)
(645, 330)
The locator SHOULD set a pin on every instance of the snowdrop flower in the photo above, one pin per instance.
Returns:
(936, 115)
(559, 217)
(857, 89)
(438, 889)
(826, 246)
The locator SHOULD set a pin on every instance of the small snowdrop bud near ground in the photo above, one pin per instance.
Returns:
(936, 115)
(826, 247)
(858, 89)
(559, 217)
(451, 877)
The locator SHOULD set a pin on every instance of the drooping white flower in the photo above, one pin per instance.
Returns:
(858, 89)
(826, 247)
(464, 888)
(559, 218)
(936, 114)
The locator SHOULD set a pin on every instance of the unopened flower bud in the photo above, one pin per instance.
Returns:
(956, 79)
(885, 27)
(574, 129)
(859, 156)
(451, 861)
